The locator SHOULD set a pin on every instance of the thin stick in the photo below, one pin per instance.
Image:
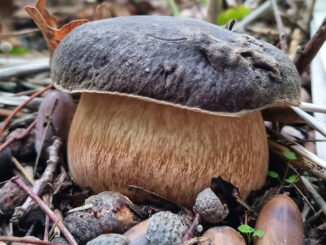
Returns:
(312, 107)
(310, 13)
(7, 112)
(41, 184)
(19, 33)
(22, 70)
(47, 220)
(213, 9)
(258, 12)
(6, 122)
(23, 171)
(319, 200)
(190, 232)
(280, 26)
(19, 137)
(310, 120)
(26, 240)
(311, 48)
(18, 181)
(305, 158)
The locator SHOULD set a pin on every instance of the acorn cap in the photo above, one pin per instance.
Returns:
(110, 239)
(183, 62)
(210, 207)
(165, 228)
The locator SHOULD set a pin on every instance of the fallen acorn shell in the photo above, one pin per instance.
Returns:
(281, 221)
(137, 234)
(112, 211)
(223, 235)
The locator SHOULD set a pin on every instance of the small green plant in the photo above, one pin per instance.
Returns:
(250, 232)
(290, 155)
(232, 14)
(174, 8)
(292, 179)
(19, 50)
(273, 174)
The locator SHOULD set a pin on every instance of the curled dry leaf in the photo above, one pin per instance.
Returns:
(49, 24)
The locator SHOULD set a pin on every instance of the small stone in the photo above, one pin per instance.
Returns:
(199, 228)
(209, 206)
(165, 228)
(5, 47)
(110, 239)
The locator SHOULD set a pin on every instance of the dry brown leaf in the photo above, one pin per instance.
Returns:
(49, 25)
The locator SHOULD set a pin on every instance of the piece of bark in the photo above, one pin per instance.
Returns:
(10, 197)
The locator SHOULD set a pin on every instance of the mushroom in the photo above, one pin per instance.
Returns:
(168, 103)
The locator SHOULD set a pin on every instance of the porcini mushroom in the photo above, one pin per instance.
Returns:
(167, 103)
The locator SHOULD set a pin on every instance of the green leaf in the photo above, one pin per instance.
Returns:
(202, 1)
(292, 179)
(273, 174)
(173, 7)
(290, 155)
(258, 233)
(232, 14)
(19, 50)
(246, 229)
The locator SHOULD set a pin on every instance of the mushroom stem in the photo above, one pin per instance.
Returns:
(116, 141)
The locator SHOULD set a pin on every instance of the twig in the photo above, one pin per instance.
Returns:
(47, 220)
(319, 200)
(40, 184)
(190, 232)
(280, 26)
(311, 48)
(258, 12)
(6, 112)
(22, 70)
(6, 122)
(312, 107)
(13, 139)
(245, 205)
(305, 158)
(46, 210)
(23, 171)
(309, 17)
(26, 240)
(213, 9)
(310, 120)
(19, 33)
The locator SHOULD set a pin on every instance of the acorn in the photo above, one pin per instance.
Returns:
(281, 221)
(223, 235)
(137, 234)
(165, 228)
(112, 211)
(209, 206)
(110, 239)
(83, 226)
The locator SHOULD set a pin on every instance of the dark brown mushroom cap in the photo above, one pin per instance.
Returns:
(179, 61)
